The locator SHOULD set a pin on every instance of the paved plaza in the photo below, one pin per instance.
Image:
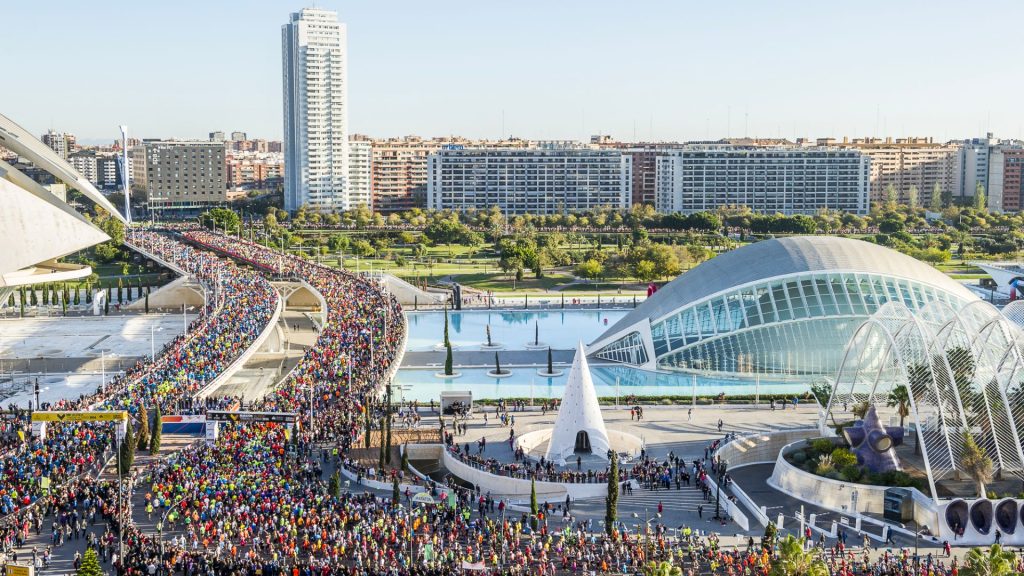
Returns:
(70, 355)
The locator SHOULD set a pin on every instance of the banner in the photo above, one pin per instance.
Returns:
(225, 416)
(107, 416)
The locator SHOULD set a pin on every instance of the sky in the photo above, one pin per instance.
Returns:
(653, 70)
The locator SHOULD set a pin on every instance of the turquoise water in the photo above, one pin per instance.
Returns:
(422, 385)
(560, 329)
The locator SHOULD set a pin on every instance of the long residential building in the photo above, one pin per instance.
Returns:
(905, 166)
(185, 175)
(532, 180)
(315, 61)
(786, 180)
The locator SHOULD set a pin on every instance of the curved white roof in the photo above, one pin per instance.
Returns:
(782, 257)
(21, 142)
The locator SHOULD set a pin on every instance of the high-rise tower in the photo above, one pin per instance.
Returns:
(313, 46)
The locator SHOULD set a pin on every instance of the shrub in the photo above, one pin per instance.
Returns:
(822, 445)
(825, 465)
(851, 472)
(799, 457)
(843, 458)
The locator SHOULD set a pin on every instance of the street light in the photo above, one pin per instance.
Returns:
(152, 341)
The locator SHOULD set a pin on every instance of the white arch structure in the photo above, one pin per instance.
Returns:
(964, 370)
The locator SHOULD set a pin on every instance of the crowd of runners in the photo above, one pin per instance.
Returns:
(264, 498)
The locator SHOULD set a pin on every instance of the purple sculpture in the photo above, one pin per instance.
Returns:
(873, 443)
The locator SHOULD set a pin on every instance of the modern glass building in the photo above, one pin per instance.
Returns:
(782, 307)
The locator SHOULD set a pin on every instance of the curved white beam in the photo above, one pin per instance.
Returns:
(21, 142)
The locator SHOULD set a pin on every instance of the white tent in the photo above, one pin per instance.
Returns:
(579, 423)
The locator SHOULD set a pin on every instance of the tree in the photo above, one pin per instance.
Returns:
(550, 365)
(369, 428)
(447, 342)
(334, 485)
(770, 534)
(405, 457)
(793, 560)
(935, 203)
(143, 439)
(90, 565)
(995, 561)
(912, 197)
(221, 219)
(127, 451)
(611, 501)
(975, 463)
(154, 437)
(396, 495)
(980, 200)
(645, 271)
(380, 459)
(891, 196)
(534, 509)
(590, 269)
(448, 360)
(387, 438)
(900, 398)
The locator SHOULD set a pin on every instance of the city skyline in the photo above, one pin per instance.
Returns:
(921, 71)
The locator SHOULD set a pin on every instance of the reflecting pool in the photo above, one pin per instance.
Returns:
(514, 329)
(423, 385)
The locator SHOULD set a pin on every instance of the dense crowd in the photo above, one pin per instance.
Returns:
(227, 326)
(258, 501)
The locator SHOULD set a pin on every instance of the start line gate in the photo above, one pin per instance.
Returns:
(215, 417)
(40, 418)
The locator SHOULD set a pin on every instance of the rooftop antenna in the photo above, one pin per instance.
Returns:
(124, 175)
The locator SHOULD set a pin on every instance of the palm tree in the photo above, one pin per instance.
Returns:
(976, 463)
(900, 397)
(793, 560)
(996, 562)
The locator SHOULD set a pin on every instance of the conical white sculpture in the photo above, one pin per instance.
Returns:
(579, 414)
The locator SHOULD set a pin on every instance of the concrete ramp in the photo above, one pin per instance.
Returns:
(409, 295)
(171, 296)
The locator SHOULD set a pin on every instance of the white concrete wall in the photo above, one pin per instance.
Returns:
(244, 357)
(519, 489)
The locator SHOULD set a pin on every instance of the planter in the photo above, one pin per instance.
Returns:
(443, 375)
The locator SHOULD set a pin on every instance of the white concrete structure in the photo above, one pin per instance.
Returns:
(528, 181)
(21, 142)
(787, 180)
(315, 62)
(360, 177)
(37, 226)
(579, 425)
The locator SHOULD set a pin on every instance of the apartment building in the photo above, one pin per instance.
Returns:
(61, 143)
(901, 164)
(185, 175)
(315, 61)
(1006, 185)
(360, 178)
(783, 179)
(531, 180)
(253, 170)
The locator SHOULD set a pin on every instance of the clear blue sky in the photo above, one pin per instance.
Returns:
(669, 69)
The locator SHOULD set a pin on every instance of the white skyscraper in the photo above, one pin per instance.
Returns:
(316, 149)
